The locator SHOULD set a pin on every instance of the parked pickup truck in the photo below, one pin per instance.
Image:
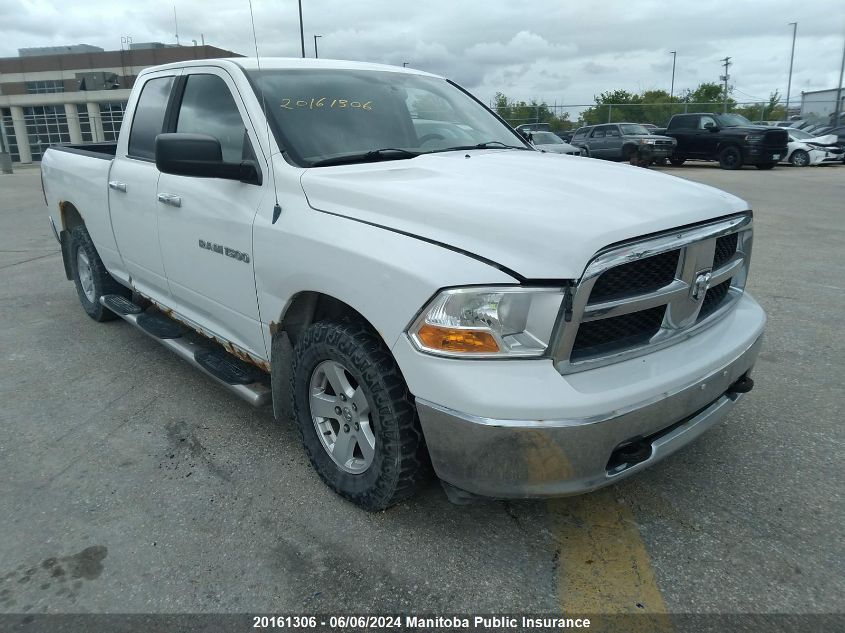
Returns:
(523, 323)
(730, 139)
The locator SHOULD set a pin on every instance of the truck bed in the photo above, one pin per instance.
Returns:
(105, 151)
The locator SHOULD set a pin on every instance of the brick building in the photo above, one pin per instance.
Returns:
(75, 94)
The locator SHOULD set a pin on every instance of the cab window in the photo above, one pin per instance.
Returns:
(148, 120)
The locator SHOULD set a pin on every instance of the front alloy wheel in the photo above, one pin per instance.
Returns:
(341, 416)
(800, 158)
(356, 417)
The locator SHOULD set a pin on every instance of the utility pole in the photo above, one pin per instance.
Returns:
(316, 56)
(672, 89)
(301, 30)
(725, 77)
(837, 109)
(794, 26)
(176, 25)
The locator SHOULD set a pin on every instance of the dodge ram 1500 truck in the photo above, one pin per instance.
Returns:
(730, 139)
(375, 251)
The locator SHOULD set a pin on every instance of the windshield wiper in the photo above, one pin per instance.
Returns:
(485, 145)
(387, 153)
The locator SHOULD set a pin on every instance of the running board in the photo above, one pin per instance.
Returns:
(225, 369)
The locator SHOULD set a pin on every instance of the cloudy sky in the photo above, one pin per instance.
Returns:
(563, 51)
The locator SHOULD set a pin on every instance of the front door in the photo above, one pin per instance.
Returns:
(205, 224)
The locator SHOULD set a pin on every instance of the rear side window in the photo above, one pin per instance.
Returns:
(599, 132)
(148, 121)
(209, 108)
(684, 122)
(580, 133)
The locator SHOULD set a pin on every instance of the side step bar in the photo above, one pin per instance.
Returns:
(232, 373)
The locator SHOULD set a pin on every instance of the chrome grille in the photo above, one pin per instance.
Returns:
(640, 296)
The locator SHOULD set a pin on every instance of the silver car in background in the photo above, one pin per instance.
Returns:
(551, 142)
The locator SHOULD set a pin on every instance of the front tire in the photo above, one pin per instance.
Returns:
(800, 158)
(730, 158)
(357, 420)
(90, 276)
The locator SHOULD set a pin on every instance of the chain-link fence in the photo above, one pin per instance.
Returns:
(566, 116)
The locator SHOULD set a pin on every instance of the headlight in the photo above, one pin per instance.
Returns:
(488, 322)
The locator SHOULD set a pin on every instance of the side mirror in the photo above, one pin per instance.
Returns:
(525, 135)
(712, 128)
(200, 155)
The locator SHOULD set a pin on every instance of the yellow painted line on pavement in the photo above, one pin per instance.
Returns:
(603, 564)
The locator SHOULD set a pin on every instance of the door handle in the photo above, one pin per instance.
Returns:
(170, 199)
(117, 185)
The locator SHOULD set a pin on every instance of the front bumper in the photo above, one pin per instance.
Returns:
(539, 458)
(761, 154)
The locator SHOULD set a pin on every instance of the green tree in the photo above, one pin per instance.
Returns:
(519, 112)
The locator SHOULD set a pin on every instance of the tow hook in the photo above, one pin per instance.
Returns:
(743, 385)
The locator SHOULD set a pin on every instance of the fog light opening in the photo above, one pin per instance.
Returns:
(629, 454)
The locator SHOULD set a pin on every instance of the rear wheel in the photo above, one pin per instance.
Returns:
(800, 158)
(90, 276)
(356, 417)
(730, 158)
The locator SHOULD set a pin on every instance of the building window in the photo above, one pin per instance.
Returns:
(11, 139)
(111, 114)
(45, 86)
(85, 125)
(45, 125)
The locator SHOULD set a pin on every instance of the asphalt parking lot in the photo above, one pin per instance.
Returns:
(130, 483)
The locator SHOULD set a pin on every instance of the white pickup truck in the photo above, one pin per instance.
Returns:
(373, 250)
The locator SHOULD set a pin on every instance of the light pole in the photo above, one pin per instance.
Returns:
(672, 89)
(837, 109)
(316, 56)
(794, 26)
(301, 30)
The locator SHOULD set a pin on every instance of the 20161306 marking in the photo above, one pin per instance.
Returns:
(284, 621)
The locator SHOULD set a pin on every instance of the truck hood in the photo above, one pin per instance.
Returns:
(541, 215)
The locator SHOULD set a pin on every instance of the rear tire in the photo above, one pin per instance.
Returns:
(372, 452)
(90, 276)
(730, 158)
(800, 158)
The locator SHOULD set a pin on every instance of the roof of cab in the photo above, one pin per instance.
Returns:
(289, 63)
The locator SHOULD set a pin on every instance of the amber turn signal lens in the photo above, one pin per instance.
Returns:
(456, 340)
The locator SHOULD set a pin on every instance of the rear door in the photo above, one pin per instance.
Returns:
(133, 179)
(597, 142)
(683, 128)
(205, 224)
(613, 142)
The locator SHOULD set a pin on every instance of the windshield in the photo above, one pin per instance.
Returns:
(635, 130)
(799, 134)
(324, 115)
(545, 138)
(732, 120)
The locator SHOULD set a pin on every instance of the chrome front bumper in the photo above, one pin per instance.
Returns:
(538, 458)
